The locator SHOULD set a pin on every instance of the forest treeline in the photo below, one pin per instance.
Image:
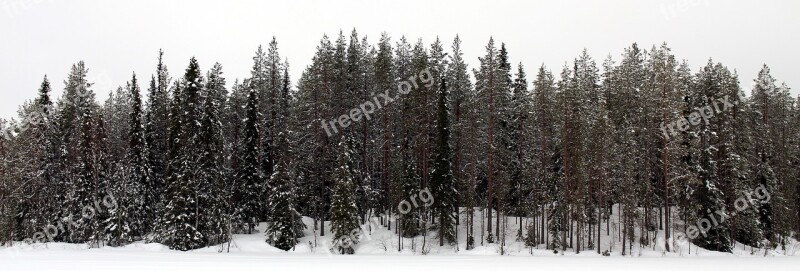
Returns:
(184, 161)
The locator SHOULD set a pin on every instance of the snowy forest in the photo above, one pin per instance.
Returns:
(404, 136)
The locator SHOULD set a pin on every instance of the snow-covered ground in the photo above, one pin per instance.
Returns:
(378, 251)
(144, 259)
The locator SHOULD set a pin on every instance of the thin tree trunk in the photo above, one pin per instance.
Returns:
(489, 170)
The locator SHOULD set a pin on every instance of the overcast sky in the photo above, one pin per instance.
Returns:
(116, 38)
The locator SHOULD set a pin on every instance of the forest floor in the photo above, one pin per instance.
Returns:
(378, 250)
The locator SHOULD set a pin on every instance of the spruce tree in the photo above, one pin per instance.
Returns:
(518, 142)
(130, 219)
(43, 134)
(84, 159)
(285, 224)
(267, 79)
(116, 115)
(344, 213)
(246, 190)
(213, 187)
(409, 215)
(442, 181)
(156, 125)
(506, 162)
(181, 229)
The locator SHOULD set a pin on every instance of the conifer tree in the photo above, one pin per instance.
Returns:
(181, 223)
(519, 190)
(156, 123)
(710, 193)
(344, 214)
(766, 105)
(213, 187)
(85, 157)
(547, 155)
(409, 216)
(130, 219)
(270, 89)
(43, 134)
(285, 224)
(745, 226)
(442, 182)
(486, 87)
(246, 191)
(639, 149)
(116, 113)
(382, 73)
(462, 96)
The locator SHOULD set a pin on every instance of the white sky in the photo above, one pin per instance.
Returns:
(115, 38)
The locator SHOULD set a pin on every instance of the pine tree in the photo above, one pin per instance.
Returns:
(462, 95)
(420, 101)
(625, 110)
(312, 107)
(486, 87)
(383, 77)
(568, 107)
(771, 105)
(547, 154)
(710, 194)
(745, 226)
(664, 83)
